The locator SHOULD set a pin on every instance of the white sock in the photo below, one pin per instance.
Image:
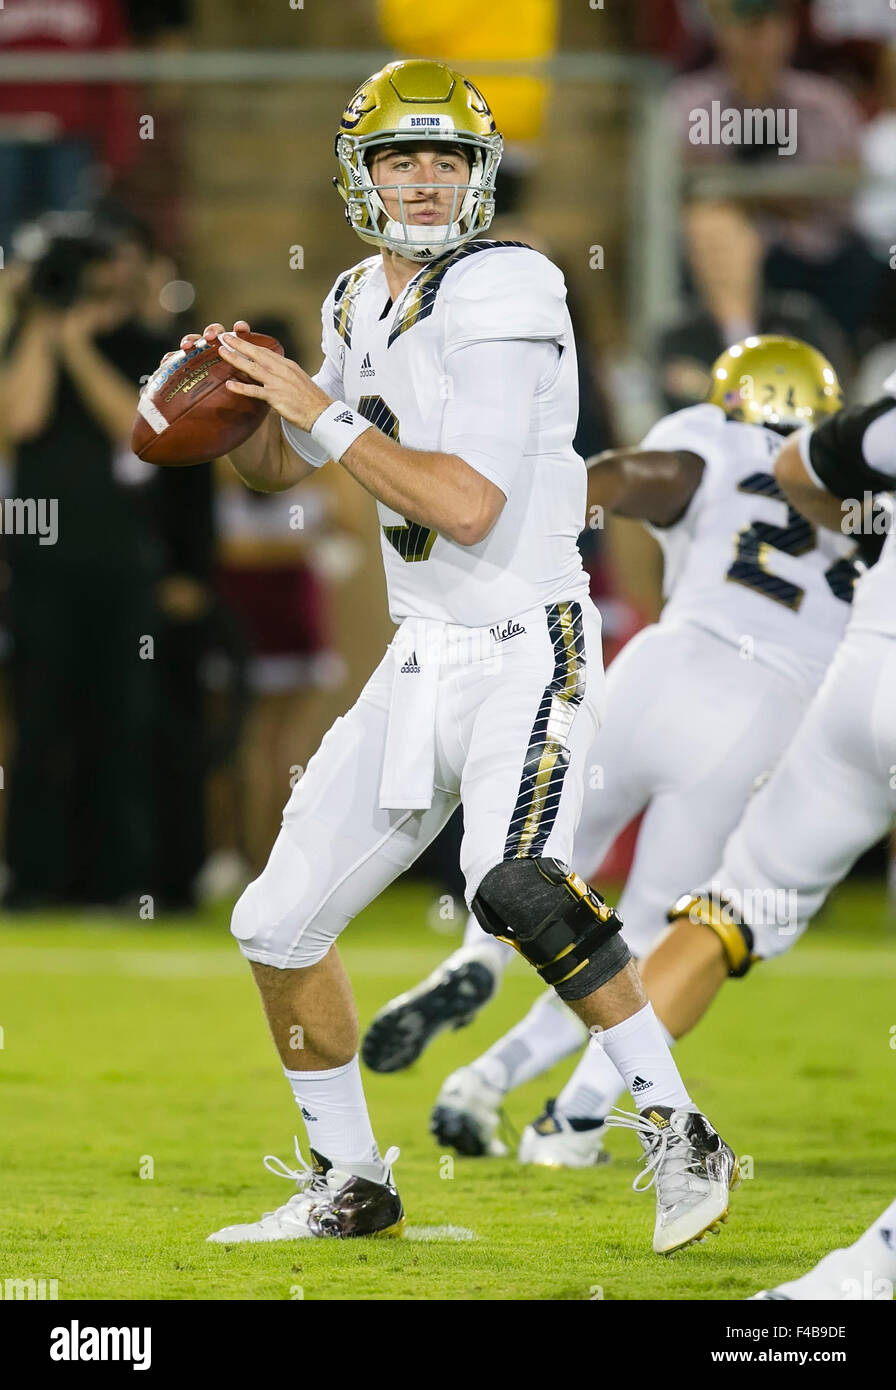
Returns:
(595, 1085)
(334, 1110)
(494, 953)
(877, 1245)
(549, 1032)
(641, 1055)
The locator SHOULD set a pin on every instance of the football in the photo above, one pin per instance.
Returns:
(186, 414)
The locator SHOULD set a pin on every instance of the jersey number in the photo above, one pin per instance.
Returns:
(412, 541)
(753, 543)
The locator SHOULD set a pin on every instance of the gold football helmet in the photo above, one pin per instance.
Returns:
(417, 102)
(780, 382)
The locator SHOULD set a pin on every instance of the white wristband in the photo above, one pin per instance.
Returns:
(338, 428)
(304, 445)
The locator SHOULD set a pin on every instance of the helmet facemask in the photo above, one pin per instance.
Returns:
(472, 207)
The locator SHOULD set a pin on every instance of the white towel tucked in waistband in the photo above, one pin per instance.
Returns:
(410, 754)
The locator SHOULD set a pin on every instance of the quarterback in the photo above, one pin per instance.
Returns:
(448, 391)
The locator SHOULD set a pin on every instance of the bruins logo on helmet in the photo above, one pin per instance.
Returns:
(780, 382)
(357, 109)
(417, 102)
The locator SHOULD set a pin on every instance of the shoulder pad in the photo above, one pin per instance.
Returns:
(695, 429)
(338, 307)
(504, 292)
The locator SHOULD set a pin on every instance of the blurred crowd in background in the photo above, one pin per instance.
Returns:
(170, 662)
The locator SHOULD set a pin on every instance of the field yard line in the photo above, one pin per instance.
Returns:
(369, 961)
(434, 1233)
(176, 964)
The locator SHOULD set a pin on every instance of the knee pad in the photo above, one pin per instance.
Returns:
(719, 915)
(273, 930)
(555, 921)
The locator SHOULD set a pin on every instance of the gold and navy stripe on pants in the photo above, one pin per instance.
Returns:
(547, 755)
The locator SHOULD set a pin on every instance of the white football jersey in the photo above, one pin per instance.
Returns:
(870, 439)
(392, 364)
(874, 609)
(741, 562)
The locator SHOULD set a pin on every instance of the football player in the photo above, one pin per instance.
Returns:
(699, 705)
(831, 797)
(864, 1270)
(832, 794)
(448, 390)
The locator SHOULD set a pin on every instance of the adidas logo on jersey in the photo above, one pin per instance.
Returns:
(345, 418)
(410, 665)
(639, 1084)
(367, 367)
(306, 1114)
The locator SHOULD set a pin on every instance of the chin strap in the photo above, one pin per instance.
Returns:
(415, 241)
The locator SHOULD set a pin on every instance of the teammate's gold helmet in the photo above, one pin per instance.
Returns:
(417, 102)
(781, 382)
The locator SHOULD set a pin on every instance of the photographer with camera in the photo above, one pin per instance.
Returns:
(88, 609)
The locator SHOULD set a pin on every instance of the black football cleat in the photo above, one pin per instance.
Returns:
(448, 998)
(357, 1206)
(326, 1203)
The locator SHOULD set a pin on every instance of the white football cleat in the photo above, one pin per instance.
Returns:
(328, 1202)
(692, 1167)
(551, 1141)
(841, 1277)
(467, 1115)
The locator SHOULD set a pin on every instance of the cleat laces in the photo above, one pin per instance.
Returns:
(312, 1186)
(670, 1160)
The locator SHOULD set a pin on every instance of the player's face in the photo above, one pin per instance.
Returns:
(420, 183)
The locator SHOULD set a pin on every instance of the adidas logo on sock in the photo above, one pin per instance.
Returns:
(367, 367)
(306, 1114)
(639, 1084)
(345, 418)
(411, 664)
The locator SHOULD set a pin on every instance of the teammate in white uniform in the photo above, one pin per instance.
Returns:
(448, 390)
(699, 706)
(831, 797)
(832, 794)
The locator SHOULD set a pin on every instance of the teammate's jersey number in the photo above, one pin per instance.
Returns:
(412, 541)
(753, 544)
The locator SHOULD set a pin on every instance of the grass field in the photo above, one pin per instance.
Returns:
(142, 1049)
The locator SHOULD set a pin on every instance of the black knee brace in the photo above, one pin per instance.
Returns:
(555, 921)
(720, 917)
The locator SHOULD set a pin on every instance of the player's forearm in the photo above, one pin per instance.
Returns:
(27, 383)
(266, 463)
(821, 508)
(644, 484)
(439, 491)
(815, 503)
(108, 395)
